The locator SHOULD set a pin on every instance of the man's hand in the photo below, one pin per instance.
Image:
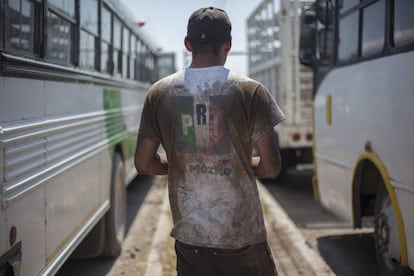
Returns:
(163, 158)
(255, 161)
(269, 163)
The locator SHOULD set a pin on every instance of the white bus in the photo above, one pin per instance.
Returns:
(362, 55)
(73, 78)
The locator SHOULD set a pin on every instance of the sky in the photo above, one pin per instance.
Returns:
(166, 22)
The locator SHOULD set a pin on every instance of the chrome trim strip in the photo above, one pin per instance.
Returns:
(403, 186)
(13, 191)
(33, 152)
(334, 161)
(45, 126)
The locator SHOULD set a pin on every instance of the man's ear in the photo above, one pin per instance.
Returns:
(188, 44)
(227, 46)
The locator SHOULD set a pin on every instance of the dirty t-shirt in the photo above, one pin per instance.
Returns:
(207, 120)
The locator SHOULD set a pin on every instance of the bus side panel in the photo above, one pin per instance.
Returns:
(72, 198)
(406, 201)
(71, 98)
(75, 195)
(24, 99)
(372, 102)
(27, 215)
(396, 142)
(334, 175)
(335, 184)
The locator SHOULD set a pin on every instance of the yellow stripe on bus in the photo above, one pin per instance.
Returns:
(329, 109)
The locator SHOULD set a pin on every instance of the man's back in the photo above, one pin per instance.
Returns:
(207, 119)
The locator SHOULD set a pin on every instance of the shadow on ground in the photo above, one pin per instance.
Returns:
(346, 252)
(354, 254)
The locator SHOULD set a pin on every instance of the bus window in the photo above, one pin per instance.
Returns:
(60, 29)
(21, 25)
(347, 4)
(89, 34)
(117, 54)
(87, 50)
(66, 6)
(106, 24)
(403, 23)
(106, 65)
(59, 45)
(144, 63)
(373, 29)
(133, 43)
(105, 61)
(138, 60)
(152, 74)
(348, 38)
(89, 15)
(125, 52)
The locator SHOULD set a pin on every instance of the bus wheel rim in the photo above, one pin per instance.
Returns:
(385, 232)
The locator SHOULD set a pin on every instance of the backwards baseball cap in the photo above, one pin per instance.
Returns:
(209, 25)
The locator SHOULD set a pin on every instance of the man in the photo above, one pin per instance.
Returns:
(208, 120)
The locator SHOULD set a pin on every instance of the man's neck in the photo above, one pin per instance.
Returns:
(206, 61)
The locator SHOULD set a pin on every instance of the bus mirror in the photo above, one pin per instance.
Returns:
(308, 15)
(325, 12)
(307, 45)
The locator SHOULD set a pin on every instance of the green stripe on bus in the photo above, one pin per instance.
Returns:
(115, 128)
(113, 116)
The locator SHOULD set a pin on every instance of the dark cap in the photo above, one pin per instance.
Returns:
(209, 25)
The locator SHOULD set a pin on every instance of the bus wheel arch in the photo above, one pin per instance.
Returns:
(374, 196)
(365, 186)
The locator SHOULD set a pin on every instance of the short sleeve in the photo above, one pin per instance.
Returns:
(266, 113)
(149, 123)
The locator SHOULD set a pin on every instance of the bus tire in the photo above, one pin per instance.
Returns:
(385, 230)
(116, 216)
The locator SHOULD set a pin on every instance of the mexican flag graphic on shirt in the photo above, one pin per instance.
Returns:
(201, 125)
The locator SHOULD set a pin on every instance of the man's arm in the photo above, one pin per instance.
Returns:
(269, 163)
(147, 160)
